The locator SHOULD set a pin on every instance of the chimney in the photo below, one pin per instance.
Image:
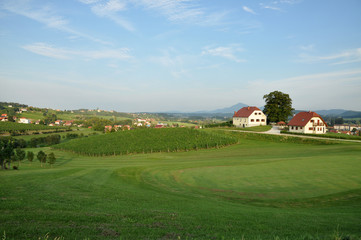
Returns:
(248, 108)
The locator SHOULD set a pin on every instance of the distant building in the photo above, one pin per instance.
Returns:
(4, 117)
(307, 122)
(249, 117)
(24, 120)
(108, 128)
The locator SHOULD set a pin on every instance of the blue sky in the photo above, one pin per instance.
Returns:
(184, 55)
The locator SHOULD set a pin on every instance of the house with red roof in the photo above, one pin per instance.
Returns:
(24, 120)
(249, 117)
(307, 122)
(4, 117)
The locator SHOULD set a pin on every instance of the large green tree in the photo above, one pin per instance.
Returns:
(278, 106)
(41, 157)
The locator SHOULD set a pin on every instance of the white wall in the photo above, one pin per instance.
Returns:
(316, 127)
(247, 122)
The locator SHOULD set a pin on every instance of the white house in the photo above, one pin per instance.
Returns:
(24, 120)
(249, 117)
(307, 122)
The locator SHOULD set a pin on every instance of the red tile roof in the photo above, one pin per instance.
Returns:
(302, 118)
(246, 111)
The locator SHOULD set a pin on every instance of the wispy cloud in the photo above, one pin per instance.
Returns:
(278, 5)
(61, 53)
(247, 9)
(182, 11)
(175, 63)
(45, 15)
(110, 9)
(308, 47)
(342, 90)
(272, 7)
(228, 52)
(346, 56)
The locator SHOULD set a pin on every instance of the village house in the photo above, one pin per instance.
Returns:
(249, 117)
(24, 120)
(307, 122)
(108, 128)
(58, 122)
(68, 123)
(4, 117)
(346, 127)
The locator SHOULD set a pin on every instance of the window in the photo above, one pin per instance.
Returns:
(311, 121)
(310, 128)
(262, 120)
(252, 120)
(292, 127)
(296, 128)
(257, 120)
(301, 128)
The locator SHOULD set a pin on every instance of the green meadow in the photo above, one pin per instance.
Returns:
(263, 187)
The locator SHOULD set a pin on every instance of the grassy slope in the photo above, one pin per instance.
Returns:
(253, 189)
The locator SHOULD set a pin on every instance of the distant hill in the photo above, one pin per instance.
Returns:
(351, 114)
(231, 109)
(337, 113)
(331, 112)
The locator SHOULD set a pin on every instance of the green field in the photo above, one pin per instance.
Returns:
(147, 141)
(260, 188)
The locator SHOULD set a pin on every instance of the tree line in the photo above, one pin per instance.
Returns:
(11, 152)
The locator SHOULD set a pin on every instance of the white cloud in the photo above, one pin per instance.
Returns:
(270, 7)
(310, 92)
(278, 5)
(346, 56)
(308, 47)
(89, 1)
(186, 11)
(228, 52)
(48, 51)
(247, 9)
(60, 53)
(45, 15)
(110, 9)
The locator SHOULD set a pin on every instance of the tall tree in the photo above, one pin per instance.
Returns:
(278, 106)
(30, 156)
(7, 146)
(20, 155)
(52, 159)
(41, 157)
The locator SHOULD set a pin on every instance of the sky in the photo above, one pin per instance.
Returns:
(180, 55)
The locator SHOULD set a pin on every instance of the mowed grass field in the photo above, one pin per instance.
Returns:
(257, 189)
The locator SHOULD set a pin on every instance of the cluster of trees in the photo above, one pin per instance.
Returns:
(98, 124)
(43, 158)
(44, 141)
(48, 118)
(223, 124)
(10, 152)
